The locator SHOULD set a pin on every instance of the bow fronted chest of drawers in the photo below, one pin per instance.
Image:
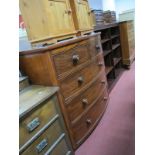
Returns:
(77, 67)
(41, 126)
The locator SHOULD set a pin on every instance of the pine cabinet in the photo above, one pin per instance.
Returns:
(47, 20)
(82, 15)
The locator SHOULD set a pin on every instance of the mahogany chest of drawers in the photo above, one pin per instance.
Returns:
(77, 67)
(128, 42)
(41, 128)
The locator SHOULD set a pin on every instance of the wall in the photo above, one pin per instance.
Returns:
(95, 4)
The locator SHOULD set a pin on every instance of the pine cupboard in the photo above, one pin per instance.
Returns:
(82, 15)
(47, 20)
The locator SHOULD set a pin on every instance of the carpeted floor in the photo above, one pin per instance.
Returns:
(114, 135)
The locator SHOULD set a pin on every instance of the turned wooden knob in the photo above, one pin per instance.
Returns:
(75, 58)
(80, 80)
(85, 101)
(105, 98)
(97, 47)
(88, 121)
(103, 81)
(100, 63)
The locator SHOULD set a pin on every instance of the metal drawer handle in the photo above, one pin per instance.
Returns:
(75, 59)
(80, 80)
(88, 121)
(100, 63)
(33, 124)
(103, 81)
(85, 101)
(41, 145)
(97, 47)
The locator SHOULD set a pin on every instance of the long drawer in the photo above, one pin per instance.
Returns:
(78, 80)
(84, 126)
(36, 120)
(69, 59)
(82, 102)
(49, 142)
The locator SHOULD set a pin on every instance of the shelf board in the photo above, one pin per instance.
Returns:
(116, 61)
(104, 40)
(108, 69)
(106, 52)
(114, 36)
(114, 46)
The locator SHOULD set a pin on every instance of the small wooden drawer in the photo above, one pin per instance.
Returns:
(72, 58)
(49, 141)
(37, 119)
(85, 125)
(94, 46)
(76, 81)
(81, 103)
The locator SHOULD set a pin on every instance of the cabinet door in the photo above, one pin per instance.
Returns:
(84, 14)
(60, 17)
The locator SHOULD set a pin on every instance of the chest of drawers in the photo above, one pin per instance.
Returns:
(41, 127)
(127, 41)
(77, 67)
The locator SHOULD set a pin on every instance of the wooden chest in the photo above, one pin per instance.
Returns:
(77, 67)
(41, 126)
(127, 41)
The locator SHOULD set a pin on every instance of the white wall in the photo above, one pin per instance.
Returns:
(95, 4)
(108, 5)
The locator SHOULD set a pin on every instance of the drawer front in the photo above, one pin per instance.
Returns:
(84, 100)
(49, 137)
(72, 58)
(95, 46)
(37, 119)
(76, 81)
(82, 128)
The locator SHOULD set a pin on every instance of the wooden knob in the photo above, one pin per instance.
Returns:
(103, 81)
(85, 101)
(100, 63)
(75, 59)
(105, 98)
(97, 47)
(80, 80)
(88, 121)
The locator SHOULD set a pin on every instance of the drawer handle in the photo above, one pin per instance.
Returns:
(75, 59)
(68, 11)
(105, 98)
(97, 47)
(41, 145)
(100, 63)
(80, 80)
(85, 101)
(103, 81)
(33, 124)
(88, 121)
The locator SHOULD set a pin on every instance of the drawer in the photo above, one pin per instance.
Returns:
(86, 124)
(49, 139)
(75, 82)
(36, 120)
(86, 98)
(72, 58)
(95, 46)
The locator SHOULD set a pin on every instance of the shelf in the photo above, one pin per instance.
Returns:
(108, 69)
(104, 40)
(116, 61)
(114, 36)
(106, 52)
(115, 46)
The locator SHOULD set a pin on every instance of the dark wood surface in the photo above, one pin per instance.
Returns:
(74, 79)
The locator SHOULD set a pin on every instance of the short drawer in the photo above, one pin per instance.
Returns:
(71, 58)
(95, 46)
(49, 141)
(36, 120)
(75, 82)
(81, 103)
(86, 124)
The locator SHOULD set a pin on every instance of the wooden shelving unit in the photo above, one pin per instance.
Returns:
(110, 39)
